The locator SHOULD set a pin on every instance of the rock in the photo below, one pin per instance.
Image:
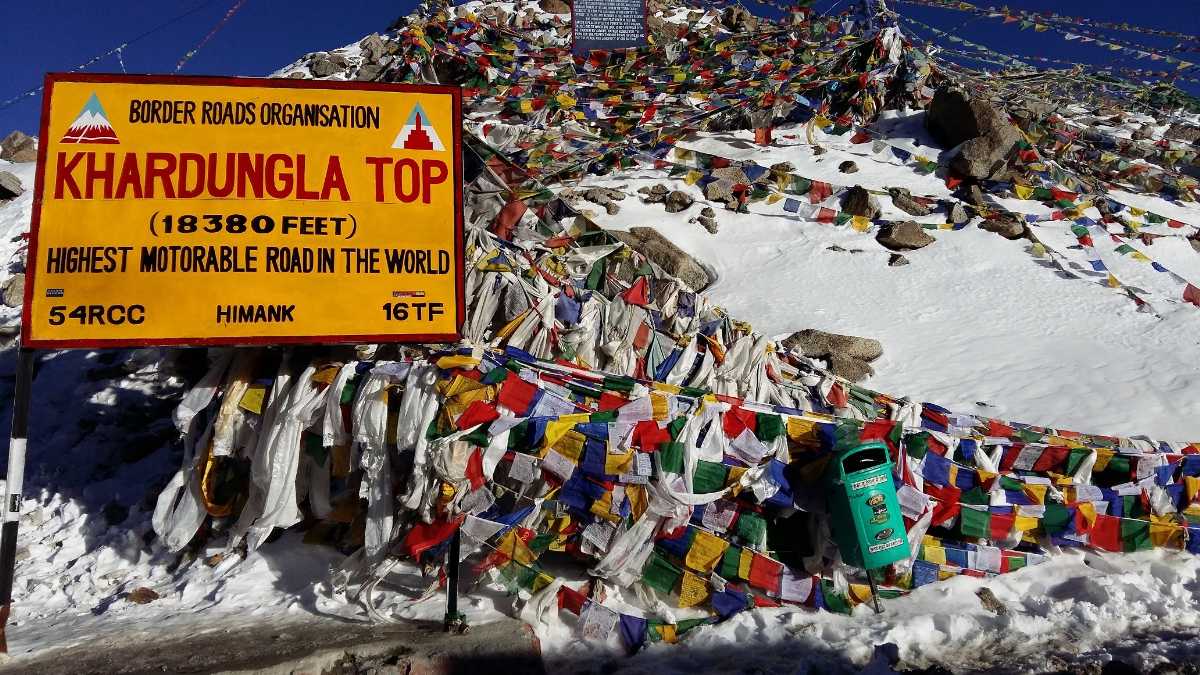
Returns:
(990, 602)
(897, 260)
(733, 174)
(1194, 240)
(835, 248)
(12, 293)
(782, 167)
(739, 20)
(1006, 226)
(678, 201)
(368, 72)
(709, 224)
(659, 250)
(986, 134)
(1142, 133)
(605, 197)
(818, 150)
(820, 344)
(720, 191)
(372, 47)
(902, 199)
(10, 186)
(848, 167)
(857, 201)
(214, 559)
(555, 6)
(849, 368)
(656, 194)
(324, 64)
(959, 213)
(141, 595)
(17, 147)
(976, 194)
(1177, 131)
(707, 212)
(903, 236)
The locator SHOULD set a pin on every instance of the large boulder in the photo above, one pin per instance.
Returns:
(986, 134)
(17, 147)
(858, 202)
(848, 356)
(10, 186)
(903, 236)
(373, 48)
(555, 6)
(820, 344)
(660, 251)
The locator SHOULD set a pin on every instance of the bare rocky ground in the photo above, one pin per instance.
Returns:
(319, 646)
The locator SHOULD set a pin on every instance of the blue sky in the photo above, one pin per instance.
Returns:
(37, 36)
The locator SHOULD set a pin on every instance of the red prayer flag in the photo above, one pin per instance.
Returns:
(425, 536)
(738, 419)
(1192, 294)
(765, 573)
(1001, 524)
(1106, 533)
(517, 395)
(479, 412)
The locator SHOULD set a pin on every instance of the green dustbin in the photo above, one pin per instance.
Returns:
(866, 521)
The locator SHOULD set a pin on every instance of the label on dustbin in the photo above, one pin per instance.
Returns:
(869, 482)
(886, 545)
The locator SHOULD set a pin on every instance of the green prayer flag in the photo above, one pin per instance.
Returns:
(1135, 535)
(660, 574)
(730, 562)
(670, 456)
(709, 476)
(975, 522)
(751, 528)
(1057, 519)
(768, 427)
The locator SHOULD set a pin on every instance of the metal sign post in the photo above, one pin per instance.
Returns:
(12, 487)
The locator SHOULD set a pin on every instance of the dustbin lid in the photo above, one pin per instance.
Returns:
(864, 457)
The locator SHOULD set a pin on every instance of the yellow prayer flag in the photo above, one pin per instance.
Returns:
(571, 445)
(706, 552)
(692, 177)
(1022, 191)
(253, 399)
(744, 563)
(860, 223)
(557, 428)
(659, 405)
(457, 361)
(693, 591)
(1165, 532)
(934, 554)
(616, 464)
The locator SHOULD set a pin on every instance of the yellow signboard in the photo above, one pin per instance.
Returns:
(173, 210)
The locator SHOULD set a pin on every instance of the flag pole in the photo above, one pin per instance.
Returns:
(13, 486)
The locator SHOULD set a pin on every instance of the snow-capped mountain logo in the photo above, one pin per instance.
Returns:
(91, 126)
(418, 133)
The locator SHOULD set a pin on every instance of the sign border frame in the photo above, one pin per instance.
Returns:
(279, 83)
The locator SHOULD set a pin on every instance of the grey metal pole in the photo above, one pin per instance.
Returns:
(13, 486)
